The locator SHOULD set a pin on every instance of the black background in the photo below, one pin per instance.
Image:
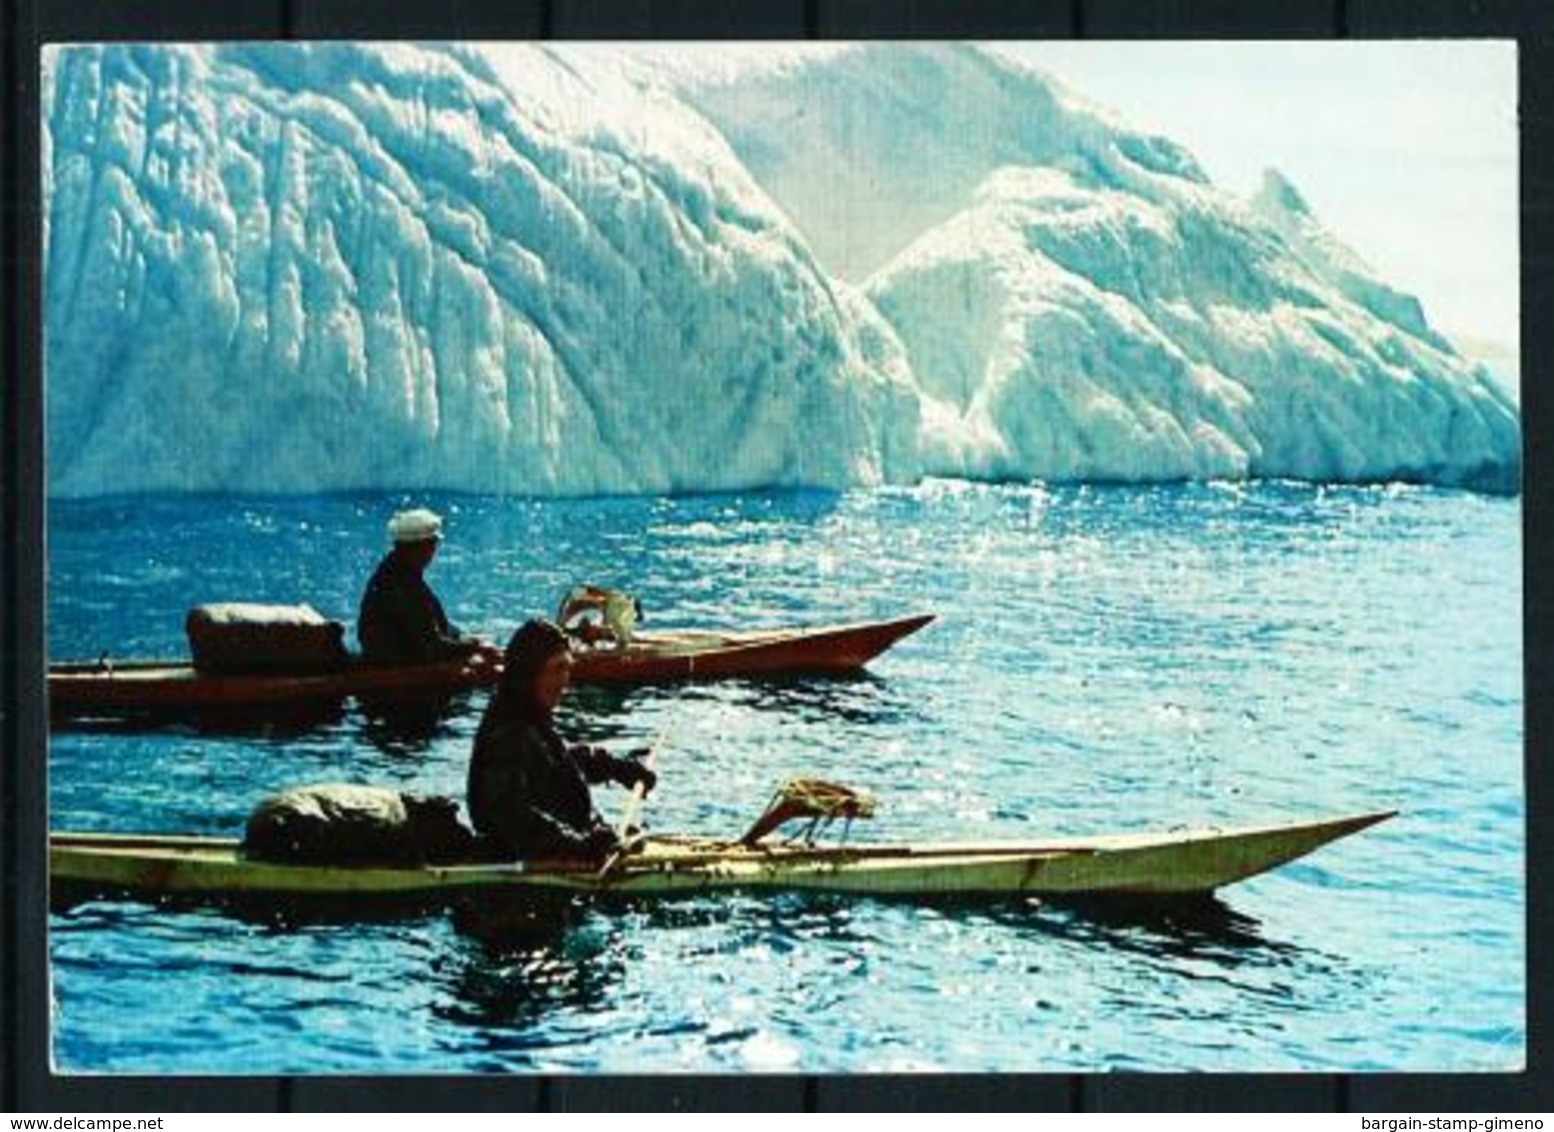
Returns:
(27, 1083)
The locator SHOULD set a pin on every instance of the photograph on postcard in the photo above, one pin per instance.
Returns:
(851, 557)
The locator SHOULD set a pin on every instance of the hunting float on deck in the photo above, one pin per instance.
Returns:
(1180, 864)
(77, 688)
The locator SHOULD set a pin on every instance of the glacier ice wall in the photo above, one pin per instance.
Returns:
(299, 268)
(283, 268)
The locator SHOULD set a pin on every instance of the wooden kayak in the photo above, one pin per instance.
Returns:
(77, 687)
(1175, 864)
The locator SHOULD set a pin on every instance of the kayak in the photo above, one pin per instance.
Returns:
(151, 685)
(1190, 863)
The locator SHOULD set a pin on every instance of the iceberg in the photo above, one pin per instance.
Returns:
(281, 268)
(1079, 302)
(1077, 348)
(552, 270)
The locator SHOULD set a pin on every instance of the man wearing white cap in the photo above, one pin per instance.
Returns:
(401, 620)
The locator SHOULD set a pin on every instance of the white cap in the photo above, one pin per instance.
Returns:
(415, 526)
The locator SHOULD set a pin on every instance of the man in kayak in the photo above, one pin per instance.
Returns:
(401, 620)
(528, 790)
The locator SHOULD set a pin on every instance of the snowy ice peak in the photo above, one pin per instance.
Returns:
(549, 270)
(869, 147)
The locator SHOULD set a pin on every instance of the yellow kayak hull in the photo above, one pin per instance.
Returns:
(1178, 863)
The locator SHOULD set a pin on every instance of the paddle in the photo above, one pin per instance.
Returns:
(634, 804)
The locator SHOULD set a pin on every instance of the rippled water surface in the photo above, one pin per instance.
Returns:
(1105, 660)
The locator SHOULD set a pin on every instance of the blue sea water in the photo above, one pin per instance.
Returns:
(1105, 659)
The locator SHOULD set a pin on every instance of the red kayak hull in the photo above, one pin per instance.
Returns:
(653, 657)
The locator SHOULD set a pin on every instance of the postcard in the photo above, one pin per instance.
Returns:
(818, 558)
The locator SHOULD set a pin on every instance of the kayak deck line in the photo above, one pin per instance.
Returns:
(1185, 863)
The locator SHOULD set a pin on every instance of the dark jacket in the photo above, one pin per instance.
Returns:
(401, 620)
(528, 791)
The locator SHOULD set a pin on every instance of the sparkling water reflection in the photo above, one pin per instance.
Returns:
(1105, 659)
